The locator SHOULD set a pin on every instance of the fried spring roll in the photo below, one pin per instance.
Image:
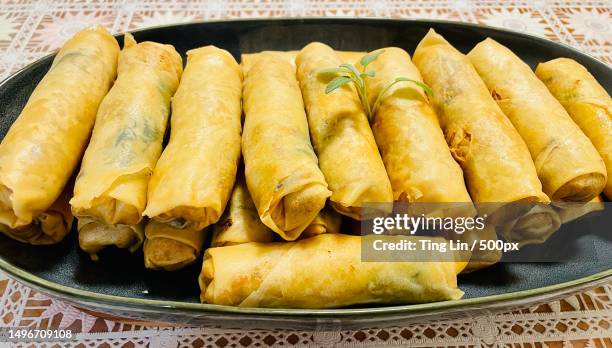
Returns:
(570, 211)
(193, 180)
(275, 275)
(95, 236)
(586, 101)
(240, 223)
(418, 161)
(248, 59)
(327, 221)
(341, 135)
(49, 227)
(44, 145)
(478, 258)
(281, 169)
(533, 227)
(567, 163)
(495, 160)
(170, 248)
(127, 138)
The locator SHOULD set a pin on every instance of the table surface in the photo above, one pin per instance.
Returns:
(32, 29)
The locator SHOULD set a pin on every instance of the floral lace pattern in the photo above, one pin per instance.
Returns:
(31, 29)
(583, 319)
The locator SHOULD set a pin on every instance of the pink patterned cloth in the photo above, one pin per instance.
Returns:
(32, 29)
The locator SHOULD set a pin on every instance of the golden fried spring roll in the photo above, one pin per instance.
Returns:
(418, 161)
(49, 227)
(127, 137)
(495, 160)
(170, 248)
(327, 221)
(248, 59)
(240, 223)
(281, 169)
(44, 145)
(275, 275)
(567, 163)
(95, 236)
(533, 227)
(479, 258)
(193, 179)
(586, 101)
(341, 135)
(570, 211)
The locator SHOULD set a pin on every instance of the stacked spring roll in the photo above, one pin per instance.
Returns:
(170, 248)
(532, 227)
(567, 163)
(276, 275)
(327, 221)
(37, 161)
(195, 174)
(111, 189)
(341, 135)
(495, 160)
(281, 172)
(586, 101)
(416, 156)
(570, 211)
(241, 224)
(49, 227)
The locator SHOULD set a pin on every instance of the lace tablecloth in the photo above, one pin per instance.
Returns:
(31, 29)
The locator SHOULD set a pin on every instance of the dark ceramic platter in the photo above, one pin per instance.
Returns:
(118, 284)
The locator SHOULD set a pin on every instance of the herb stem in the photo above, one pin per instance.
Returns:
(358, 79)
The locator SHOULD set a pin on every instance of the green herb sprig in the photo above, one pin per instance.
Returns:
(349, 73)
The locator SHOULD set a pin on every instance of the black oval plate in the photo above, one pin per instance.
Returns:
(118, 284)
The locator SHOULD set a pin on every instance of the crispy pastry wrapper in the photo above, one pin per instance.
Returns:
(275, 275)
(568, 165)
(327, 221)
(240, 223)
(281, 172)
(44, 145)
(586, 101)
(95, 236)
(570, 211)
(533, 227)
(248, 59)
(418, 161)
(193, 179)
(49, 227)
(495, 160)
(341, 135)
(479, 259)
(169, 248)
(127, 137)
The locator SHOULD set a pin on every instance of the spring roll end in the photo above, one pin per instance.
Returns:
(167, 254)
(304, 206)
(95, 236)
(581, 189)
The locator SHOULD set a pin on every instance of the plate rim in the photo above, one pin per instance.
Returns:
(67, 292)
(203, 308)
